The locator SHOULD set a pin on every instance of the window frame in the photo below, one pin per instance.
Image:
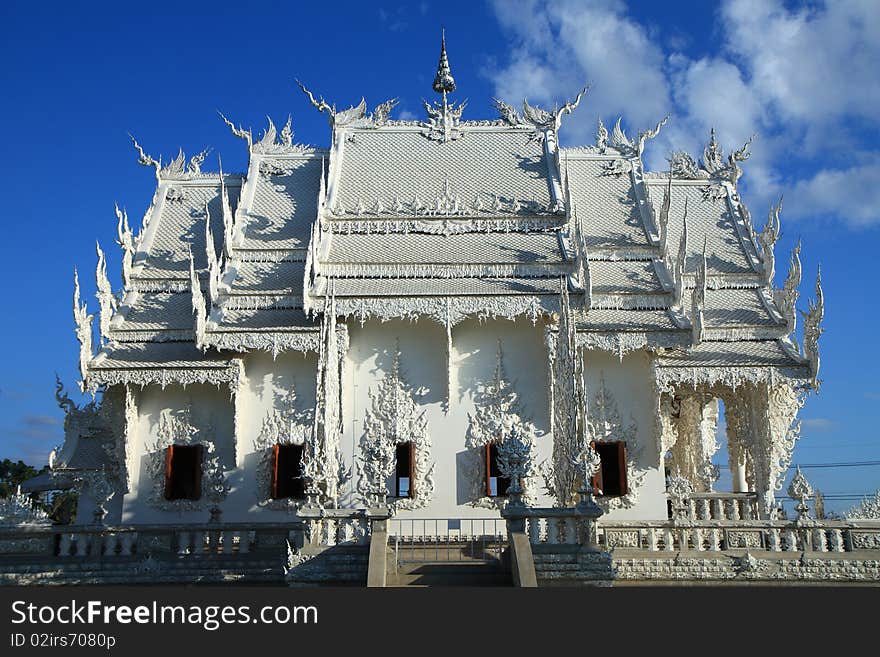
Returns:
(411, 473)
(171, 475)
(274, 483)
(621, 465)
(489, 462)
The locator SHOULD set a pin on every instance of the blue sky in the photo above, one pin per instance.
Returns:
(78, 79)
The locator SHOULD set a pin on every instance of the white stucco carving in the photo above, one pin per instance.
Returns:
(393, 418)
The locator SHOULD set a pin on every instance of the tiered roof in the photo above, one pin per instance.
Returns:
(446, 219)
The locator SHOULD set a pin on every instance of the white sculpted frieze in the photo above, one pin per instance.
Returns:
(394, 417)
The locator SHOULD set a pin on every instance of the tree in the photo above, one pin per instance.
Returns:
(61, 506)
(13, 474)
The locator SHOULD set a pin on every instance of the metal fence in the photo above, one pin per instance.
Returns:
(464, 540)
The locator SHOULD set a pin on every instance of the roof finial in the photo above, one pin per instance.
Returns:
(444, 83)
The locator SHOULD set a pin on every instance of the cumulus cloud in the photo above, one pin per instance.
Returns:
(803, 78)
(817, 424)
(551, 60)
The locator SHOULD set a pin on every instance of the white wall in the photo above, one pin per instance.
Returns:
(268, 381)
(630, 384)
(211, 411)
(424, 367)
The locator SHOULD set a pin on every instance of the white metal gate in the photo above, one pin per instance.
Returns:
(453, 540)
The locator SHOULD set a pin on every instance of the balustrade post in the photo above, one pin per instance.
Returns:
(773, 541)
(836, 540)
(820, 540)
(111, 540)
(534, 529)
(64, 545)
(746, 509)
(82, 544)
(126, 543)
(244, 542)
(683, 539)
(705, 513)
(652, 539)
(715, 540)
(717, 509)
(228, 542)
(734, 510)
(668, 540)
(698, 539)
(183, 543)
(790, 540)
(570, 530)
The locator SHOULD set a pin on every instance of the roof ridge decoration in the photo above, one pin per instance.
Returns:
(623, 144)
(582, 261)
(698, 299)
(271, 142)
(199, 308)
(177, 169)
(543, 119)
(813, 330)
(663, 220)
(105, 296)
(355, 116)
(679, 265)
(233, 230)
(444, 119)
(215, 264)
(712, 166)
(768, 238)
(83, 322)
(786, 298)
(127, 242)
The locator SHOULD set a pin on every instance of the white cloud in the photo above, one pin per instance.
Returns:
(845, 194)
(818, 424)
(813, 65)
(803, 79)
(552, 60)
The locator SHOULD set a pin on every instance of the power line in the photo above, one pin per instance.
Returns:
(853, 464)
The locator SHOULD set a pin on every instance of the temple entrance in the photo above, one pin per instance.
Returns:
(448, 552)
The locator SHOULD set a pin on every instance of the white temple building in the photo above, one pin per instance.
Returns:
(423, 318)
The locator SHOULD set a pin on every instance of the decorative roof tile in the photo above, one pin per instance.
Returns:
(390, 164)
(467, 248)
(606, 205)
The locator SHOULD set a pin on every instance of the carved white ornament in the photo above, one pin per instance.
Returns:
(287, 424)
(498, 415)
(394, 417)
(607, 426)
(177, 428)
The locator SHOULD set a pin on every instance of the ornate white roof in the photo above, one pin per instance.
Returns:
(444, 218)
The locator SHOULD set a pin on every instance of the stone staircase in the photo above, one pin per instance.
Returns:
(448, 566)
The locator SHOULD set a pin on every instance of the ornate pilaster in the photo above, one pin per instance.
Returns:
(569, 407)
(394, 417)
(498, 415)
(774, 431)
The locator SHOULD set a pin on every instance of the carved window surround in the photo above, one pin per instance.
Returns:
(287, 425)
(395, 418)
(178, 429)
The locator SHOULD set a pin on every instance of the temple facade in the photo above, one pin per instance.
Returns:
(443, 319)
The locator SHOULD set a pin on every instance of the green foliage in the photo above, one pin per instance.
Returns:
(12, 474)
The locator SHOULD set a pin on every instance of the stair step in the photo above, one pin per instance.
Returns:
(450, 574)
